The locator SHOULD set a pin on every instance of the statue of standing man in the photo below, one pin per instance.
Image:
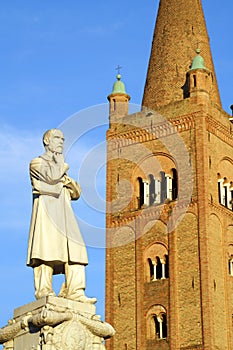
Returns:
(55, 242)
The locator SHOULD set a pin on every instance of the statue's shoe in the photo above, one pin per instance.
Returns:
(45, 294)
(85, 299)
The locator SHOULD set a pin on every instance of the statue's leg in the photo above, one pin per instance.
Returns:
(43, 281)
(75, 279)
(75, 283)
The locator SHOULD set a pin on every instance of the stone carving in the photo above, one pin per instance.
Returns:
(55, 242)
(85, 334)
(49, 317)
(46, 335)
(8, 332)
(97, 327)
(57, 325)
(71, 336)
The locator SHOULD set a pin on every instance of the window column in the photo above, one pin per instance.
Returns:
(225, 191)
(151, 189)
(146, 192)
(221, 192)
(163, 187)
(228, 196)
(157, 191)
(155, 270)
(163, 262)
(169, 186)
(162, 327)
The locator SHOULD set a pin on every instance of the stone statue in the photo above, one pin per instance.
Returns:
(55, 242)
(69, 321)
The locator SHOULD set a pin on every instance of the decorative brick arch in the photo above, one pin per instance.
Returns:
(156, 249)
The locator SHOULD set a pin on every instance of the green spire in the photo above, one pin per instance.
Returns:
(118, 86)
(198, 61)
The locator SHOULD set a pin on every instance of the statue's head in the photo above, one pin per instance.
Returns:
(53, 140)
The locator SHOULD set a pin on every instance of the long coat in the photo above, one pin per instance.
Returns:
(54, 233)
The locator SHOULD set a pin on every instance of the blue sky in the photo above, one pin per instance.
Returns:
(58, 60)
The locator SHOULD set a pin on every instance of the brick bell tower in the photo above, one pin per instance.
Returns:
(169, 258)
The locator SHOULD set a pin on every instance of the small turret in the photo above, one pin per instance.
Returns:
(118, 99)
(200, 80)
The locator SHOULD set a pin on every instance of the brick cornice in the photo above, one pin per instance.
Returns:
(218, 129)
(159, 212)
(220, 209)
(144, 133)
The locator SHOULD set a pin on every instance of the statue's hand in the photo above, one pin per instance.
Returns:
(66, 180)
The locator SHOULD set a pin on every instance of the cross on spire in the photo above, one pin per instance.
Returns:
(118, 68)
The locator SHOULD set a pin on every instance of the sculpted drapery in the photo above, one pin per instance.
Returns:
(55, 242)
(54, 232)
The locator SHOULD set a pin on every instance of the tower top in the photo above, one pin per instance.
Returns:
(180, 29)
(198, 61)
(118, 86)
(118, 99)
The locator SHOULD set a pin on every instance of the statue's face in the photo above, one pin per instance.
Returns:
(56, 142)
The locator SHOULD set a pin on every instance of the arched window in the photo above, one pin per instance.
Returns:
(174, 184)
(156, 263)
(160, 324)
(157, 323)
(156, 326)
(226, 195)
(158, 268)
(151, 269)
(163, 334)
(141, 192)
(231, 196)
(230, 265)
(155, 189)
(220, 191)
(159, 272)
(194, 81)
(225, 192)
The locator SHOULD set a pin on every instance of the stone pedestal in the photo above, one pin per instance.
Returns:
(54, 323)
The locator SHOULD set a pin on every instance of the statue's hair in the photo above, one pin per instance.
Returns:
(47, 135)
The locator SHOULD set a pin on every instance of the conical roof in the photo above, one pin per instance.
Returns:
(180, 29)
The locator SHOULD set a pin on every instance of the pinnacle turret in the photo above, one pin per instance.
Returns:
(118, 99)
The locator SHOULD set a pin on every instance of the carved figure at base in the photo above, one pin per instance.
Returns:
(55, 242)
